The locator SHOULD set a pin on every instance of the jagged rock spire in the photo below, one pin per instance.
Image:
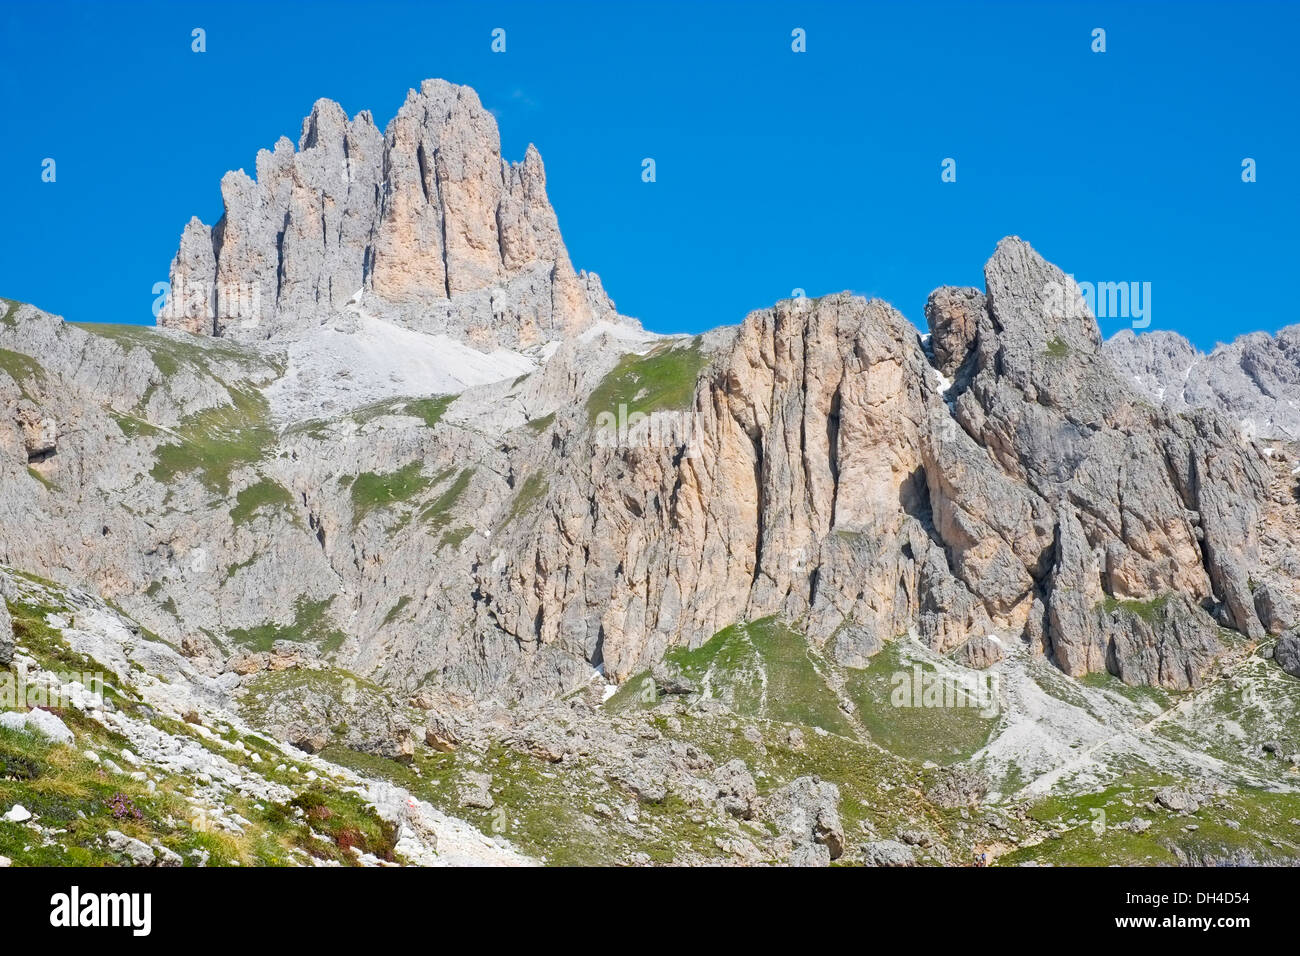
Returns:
(425, 220)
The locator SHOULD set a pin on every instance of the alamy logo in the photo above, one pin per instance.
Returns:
(662, 429)
(921, 688)
(133, 910)
(62, 689)
(1104, 300)
(196, 299)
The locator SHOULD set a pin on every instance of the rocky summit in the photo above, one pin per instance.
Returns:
(394, 542)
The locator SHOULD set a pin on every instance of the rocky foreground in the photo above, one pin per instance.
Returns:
(395, 498)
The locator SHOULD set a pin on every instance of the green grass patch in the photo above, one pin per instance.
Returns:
(264, 494)
(371, 491)
(132, 426)
(943, 734)
(49, 485)
(219, 440)
(395, 610)
(762, 669)
(23, 369)
(428, 410)
(1057, 348)
(311, 624)
(1149, 611)
(539, 425)
(455, 537)
(664, 380)
(534, 488)
(437, 514)
(169, 353)
(1092, 827)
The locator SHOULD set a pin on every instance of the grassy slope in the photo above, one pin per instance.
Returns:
(661, 381)
(70, 792)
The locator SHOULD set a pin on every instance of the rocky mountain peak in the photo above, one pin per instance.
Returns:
(1255, 378)
(424, 225)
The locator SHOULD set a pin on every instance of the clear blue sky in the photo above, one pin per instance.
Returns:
(775, 170)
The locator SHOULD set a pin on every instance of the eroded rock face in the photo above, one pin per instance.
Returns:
(831, 473)
(1287, 654)
(1255, 379)
(423, 224)
(839, 479)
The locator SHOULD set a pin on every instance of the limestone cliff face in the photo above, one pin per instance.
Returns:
(1000, 480)
(425, 221)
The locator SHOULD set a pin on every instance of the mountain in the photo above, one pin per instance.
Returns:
(392, 486)
(1255, 379)
(423, 224)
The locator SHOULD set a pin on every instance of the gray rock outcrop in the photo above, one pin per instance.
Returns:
(1255, 379)
(805, 813)
(6, 636)
(1287, 654)
(838, 478)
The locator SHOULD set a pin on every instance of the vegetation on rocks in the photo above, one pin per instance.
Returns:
(371, 491)
(664, 380)
(217, 441)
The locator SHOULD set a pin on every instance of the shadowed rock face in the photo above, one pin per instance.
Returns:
(425, 220)
(1021, 488)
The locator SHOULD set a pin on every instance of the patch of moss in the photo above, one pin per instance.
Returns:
(1148, 611)
(49, 485)
(534, 488)
(437, 514)
(1057, 348)
(455, 537)
(132, 426)
(428, 410)
(540, 425)
(395, 610)
(23, 369)
(371, 491)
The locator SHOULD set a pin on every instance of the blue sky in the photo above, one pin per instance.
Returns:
(775, 170)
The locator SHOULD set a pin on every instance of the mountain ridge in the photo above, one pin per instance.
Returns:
(438, 513)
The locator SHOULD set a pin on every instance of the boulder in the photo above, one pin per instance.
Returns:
(1287, 654)
(1276, 612)
(958, 786)
(1177, 801)
(736, 790)
(137, 852)
(980, 652)
(38, 722)
(888, 853)
(805, 813)
(476, 791)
